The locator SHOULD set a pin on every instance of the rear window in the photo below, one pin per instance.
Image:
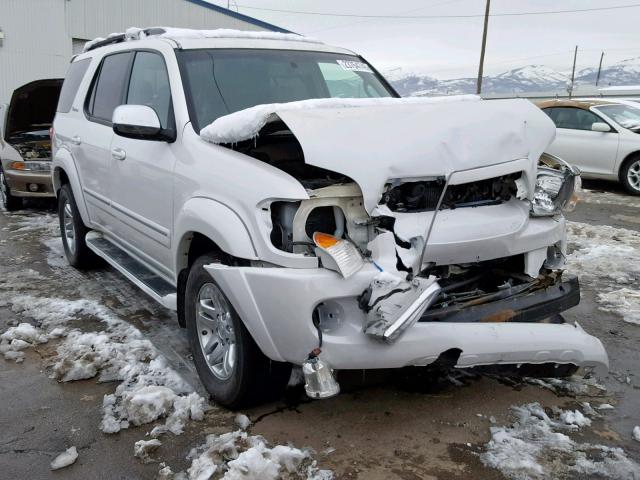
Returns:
(72, 80)
(108, 88)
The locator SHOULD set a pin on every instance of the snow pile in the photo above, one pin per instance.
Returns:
(16, 339)
(66, 458)
(246, 124)
(239, 456)
(571, 386)
(636, 433)
(143, 449)
(534, 447)
(610, 256)
(575, 418)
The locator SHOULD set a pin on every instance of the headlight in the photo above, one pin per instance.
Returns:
(31, 166)
(557, 185)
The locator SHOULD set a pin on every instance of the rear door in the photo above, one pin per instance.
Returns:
(141, 171)
(93, 142)
(592, 152)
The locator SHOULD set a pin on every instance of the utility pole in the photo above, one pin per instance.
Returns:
(484, 45)
(599, 69)
(573, 72)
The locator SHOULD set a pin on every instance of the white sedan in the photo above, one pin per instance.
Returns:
(600, 137)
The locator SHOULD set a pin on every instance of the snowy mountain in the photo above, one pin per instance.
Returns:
(528, 79)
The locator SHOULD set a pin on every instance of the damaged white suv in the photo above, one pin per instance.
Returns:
(274, 191)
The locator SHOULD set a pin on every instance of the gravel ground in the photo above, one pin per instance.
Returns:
(385, 425)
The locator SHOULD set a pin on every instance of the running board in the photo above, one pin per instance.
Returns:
(146, 280)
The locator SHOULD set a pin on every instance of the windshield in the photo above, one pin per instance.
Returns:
(625, 115)
(219, 82)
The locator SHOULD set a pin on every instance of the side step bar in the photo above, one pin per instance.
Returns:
(146, 280)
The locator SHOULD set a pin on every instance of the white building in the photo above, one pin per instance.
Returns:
(38, 37)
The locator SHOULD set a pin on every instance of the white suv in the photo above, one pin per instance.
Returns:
(275, 192)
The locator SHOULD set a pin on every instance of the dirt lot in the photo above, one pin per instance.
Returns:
(385, 425)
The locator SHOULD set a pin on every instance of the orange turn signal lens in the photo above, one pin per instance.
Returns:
(324, 240)
(17, 166)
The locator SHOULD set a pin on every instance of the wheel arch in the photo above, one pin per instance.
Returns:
(64, 172)
(625, 160)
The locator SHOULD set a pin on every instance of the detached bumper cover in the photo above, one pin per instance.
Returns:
(276, 305)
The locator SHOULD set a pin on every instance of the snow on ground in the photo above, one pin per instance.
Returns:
(636, 433)
(150, 388)
(611, 257)
(535, 447)
(608, 198)
(66, 458)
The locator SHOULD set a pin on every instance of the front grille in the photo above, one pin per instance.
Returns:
(423, 196)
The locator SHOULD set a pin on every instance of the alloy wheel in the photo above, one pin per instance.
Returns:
(69, 229)
(215, 331)
(3, 188)
(633, 175)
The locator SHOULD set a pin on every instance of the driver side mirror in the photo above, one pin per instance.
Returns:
(600, 127)
(139, 122)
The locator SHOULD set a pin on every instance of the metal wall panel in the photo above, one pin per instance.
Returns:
(38, 33)
(35, 44)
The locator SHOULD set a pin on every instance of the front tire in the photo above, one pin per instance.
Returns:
(230, 364)
(630, 175)
(9, 201)
(73, 231)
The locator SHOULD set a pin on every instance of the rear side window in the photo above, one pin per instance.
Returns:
(108, 88)
(72, 81)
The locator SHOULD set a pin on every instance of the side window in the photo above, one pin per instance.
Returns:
(108, 88)
(573, 118)
(72, 81)
(149, 85)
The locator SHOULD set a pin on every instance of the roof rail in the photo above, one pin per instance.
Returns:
(121, 37)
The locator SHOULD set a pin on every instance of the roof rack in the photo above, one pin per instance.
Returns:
(121, 37)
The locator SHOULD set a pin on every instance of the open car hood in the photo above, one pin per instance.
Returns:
(32, 106)
(375, 140)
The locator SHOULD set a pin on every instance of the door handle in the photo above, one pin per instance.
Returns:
(76, 140)
(118, 153)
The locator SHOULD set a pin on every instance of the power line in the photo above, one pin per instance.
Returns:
(409, 17)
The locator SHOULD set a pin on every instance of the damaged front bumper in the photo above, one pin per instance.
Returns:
(278, 305)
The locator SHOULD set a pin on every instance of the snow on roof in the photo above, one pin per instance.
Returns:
(246, 124)
(135, 33)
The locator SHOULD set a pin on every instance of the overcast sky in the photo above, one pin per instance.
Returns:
(450, 48)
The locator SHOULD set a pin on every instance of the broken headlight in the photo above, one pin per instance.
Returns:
(557, 186)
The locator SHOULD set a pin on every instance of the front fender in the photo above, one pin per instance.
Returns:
(63, 162)
(217, 222)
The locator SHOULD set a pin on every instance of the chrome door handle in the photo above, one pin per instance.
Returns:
(76, 140)
(118, 153)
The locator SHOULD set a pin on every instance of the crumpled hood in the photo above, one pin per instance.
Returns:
(377, 142)
(374, 144)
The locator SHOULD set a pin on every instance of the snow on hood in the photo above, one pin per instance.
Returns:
(246, 124)
(400, 138)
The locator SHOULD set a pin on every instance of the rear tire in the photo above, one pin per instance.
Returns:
(9, 201)
(630, 175)
(73, 231)
(230, 364)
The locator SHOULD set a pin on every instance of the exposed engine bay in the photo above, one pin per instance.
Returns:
(32, 149)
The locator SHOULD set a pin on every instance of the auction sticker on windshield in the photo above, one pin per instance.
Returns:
(354, 66)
